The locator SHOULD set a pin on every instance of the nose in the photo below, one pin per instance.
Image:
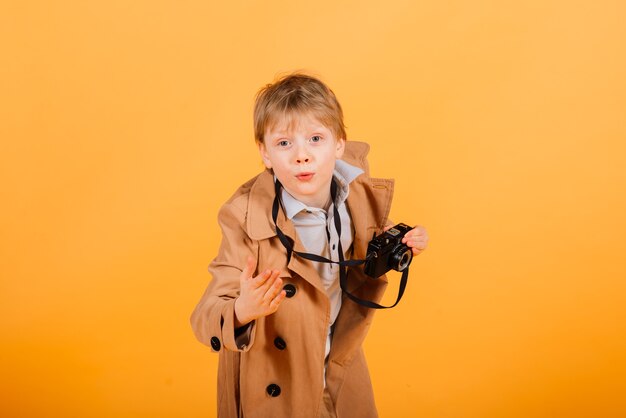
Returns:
(302, 155)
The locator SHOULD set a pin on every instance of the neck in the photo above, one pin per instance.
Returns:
(322, 202)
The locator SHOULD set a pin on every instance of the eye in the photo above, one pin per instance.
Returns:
(316, 138)
(283, 143)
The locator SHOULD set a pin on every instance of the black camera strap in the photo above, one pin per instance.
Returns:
(343, 264)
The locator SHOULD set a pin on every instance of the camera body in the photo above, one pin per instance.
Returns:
(386, 252)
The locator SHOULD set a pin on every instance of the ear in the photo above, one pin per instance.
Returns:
(265, 156)
(341, 147)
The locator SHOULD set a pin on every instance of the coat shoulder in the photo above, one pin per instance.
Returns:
(242, 193)
(240, 199)
(251, 205)
(356, 154)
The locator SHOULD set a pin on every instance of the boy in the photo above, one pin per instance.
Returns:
(289, 343)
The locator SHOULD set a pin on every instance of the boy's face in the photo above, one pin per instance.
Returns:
(303, 158)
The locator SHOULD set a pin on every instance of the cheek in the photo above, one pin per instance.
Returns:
(279, 167)
(330, 160)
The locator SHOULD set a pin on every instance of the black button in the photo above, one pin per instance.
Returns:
(215, 343)
(273, 390)
(290, 290)
(280, 343)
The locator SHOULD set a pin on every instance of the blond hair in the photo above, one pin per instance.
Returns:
(295, 95)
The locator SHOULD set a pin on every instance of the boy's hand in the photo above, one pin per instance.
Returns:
(416, 239)
(259, 296)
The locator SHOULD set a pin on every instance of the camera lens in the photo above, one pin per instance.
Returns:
(401, 258)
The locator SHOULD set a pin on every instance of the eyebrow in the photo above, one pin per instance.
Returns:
(316, 129)
(278, 135)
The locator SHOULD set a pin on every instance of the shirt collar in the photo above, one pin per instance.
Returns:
(344, 174)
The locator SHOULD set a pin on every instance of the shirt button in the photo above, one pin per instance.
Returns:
(215, 343)
(280, 343)
(273, 390)
(290, 290)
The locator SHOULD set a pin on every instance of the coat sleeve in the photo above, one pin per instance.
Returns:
(213, 318)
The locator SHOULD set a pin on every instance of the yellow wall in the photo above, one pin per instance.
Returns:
(125, 125)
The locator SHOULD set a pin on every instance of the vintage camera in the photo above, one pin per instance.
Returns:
(386, 252)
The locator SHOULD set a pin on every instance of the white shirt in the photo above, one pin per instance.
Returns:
(316, 229)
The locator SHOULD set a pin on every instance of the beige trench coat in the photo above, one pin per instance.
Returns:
(280, 372)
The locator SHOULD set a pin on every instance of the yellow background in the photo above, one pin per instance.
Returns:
(126, 124)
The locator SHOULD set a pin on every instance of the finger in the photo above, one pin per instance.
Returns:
(417, 242)
(273, 287)
(421, 246)
(260, 280)
(248, 269)
(418, 233)
(275, 303)
(265, 280)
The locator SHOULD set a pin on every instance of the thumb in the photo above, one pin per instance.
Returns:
(249, 268)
